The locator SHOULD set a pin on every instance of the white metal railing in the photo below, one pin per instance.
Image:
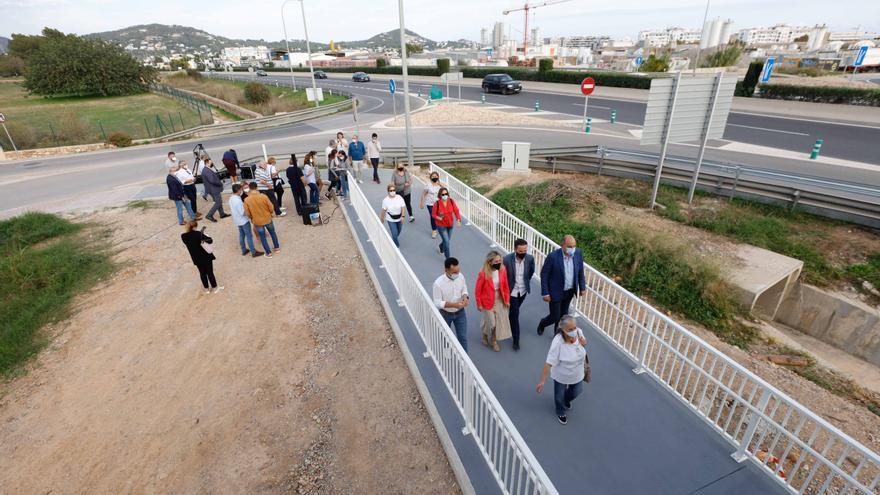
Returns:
(799, 449)
(514, 466)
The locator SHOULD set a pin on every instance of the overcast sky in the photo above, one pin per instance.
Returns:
(435, 19)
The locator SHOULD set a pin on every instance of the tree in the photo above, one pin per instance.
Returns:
(545, 65)
(442, 66)
(256, 93)
(802, 39)
(656, 64)
(381, 62)
(11, 66)
(747, 87)
(723, 57)
(412, 48)
(178, 64)
(66, 64)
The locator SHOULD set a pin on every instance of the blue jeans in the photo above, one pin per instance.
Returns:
(180, 204)
(244, 233)
(430, 209)
(343, 179)
(445, 234)
(314, 194)
(563, 394)
(261, 231)
(459, 319)
(396, 228)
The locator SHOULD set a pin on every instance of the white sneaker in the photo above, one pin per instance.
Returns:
(207, 291)
(283, 214)
(434, 234)
(218, 289)
(360, 181)
(283, 208)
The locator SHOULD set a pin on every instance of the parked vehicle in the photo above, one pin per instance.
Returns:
(360, 77)
(319, 74)
(501, 83)
(261, 72)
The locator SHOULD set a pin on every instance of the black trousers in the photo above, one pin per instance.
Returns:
(299, 197)
(279, 193)
(189, 190)
(375, 163)
(206, 273)
(407, 200)
(513, 315)
(270, 193)
(557, 309)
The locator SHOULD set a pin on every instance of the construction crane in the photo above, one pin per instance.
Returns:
(526, 8)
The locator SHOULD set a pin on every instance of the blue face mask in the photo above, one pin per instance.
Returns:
(572, 334)
(569, 251)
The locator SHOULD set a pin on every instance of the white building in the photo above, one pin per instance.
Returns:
(778, 34)
(592, 42)
(853, 36)
(498, 36)
(240, 55)
(669, 36)
(484, 37)
(535, 39)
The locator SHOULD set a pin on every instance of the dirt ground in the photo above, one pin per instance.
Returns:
(288, 381)
(852, 418)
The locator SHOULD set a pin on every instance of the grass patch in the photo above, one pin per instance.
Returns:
(866, 272)
(141, 204)
(38, 279)
(469, 176)
(226, 114)
(44, 122)
(651, 267)
(283, 99)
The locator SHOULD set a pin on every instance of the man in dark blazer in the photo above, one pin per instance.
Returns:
(520, 268)
(561, 276)
(214, 188)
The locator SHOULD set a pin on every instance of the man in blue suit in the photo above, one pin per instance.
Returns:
(561, 275)
(520, 268)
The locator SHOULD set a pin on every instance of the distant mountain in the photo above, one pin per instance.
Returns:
(161, 39)
(4, 44)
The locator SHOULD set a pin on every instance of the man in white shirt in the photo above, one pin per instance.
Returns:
(374, 153)
(242, 222)
(520, 269)
(189, 184)
(450, 295)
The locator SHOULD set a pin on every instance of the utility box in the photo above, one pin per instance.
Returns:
(515, 157)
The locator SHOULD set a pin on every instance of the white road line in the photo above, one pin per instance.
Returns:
(591, 106)
(804, 119)
(769, 130)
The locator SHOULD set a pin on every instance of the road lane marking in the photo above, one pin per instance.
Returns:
(770, 130)
(591, 106)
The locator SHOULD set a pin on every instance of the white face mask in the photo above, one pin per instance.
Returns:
(572, 334)
(453, 276)
(569, 251)
(391, 194)
(444, 197)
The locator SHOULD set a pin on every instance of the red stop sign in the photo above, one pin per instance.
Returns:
(587, 86)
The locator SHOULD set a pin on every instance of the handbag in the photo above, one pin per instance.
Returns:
(207, 246)
(587, 373)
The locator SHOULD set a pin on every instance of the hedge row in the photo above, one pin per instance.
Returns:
(821, 94)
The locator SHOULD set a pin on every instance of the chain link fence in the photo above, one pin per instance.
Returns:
(200, 105)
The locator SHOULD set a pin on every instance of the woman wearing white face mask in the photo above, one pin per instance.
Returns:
(565, 364)
(394, 208)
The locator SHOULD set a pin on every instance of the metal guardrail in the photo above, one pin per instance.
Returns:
(800, 450)
(514, 466)
(837, 199)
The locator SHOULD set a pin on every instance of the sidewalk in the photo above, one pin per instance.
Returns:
(781, 108)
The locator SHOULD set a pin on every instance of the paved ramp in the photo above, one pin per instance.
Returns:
(625, 434)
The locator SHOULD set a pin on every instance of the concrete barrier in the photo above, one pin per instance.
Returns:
(834, 319)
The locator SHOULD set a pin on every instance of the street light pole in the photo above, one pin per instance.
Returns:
(702, 35)
(287, 44)
(302, 6)
(408, 121)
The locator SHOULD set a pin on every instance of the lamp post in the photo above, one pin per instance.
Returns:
(702, 34)
(408, 122)
(287, 45)
(302, 6)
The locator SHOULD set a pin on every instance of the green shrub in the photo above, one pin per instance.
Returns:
(723, 57)
(545, 65)
(746, 87)
(867, 272)
(655, 64)
(821, 94)
(256, 93)
(612, 79)
(119, 139)
(442, 66)
(381, 62)
(195, 74)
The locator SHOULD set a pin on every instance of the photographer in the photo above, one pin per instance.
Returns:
(201, 250)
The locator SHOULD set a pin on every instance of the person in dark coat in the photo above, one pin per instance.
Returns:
(175, 193)
(230, 161)
(213, 188)
(203, 259)
(520, 267)
(562, 277)
(297, 187)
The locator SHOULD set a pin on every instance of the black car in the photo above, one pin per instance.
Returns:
(501, 83)
(261, 72)
(319, 74)
(360, 77)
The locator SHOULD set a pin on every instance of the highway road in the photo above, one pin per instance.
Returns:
(56, 183)
(850, 141)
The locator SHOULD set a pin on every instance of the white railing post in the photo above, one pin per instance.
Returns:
(468, 402)
(755, 417)
(494, 227)
(643, 347)
(467, 194)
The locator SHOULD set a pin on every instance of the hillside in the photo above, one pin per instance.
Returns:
(162, 39)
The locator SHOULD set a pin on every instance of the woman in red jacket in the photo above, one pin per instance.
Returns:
(445, 214)
(493, 300)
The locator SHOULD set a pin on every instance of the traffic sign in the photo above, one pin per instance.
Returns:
(587, 86)
(391, 86)
(768, 69)
(860, 57)
(639, 60)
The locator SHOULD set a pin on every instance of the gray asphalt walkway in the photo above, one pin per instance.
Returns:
(625, 433)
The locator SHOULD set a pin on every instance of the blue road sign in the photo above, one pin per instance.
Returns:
(489, 52)
(860, 57)
(768, 69)
(639, 60)
(391, 86)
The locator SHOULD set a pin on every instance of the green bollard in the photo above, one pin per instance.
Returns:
(816, 148)
(420, 92)
(537, 105)
(589, 125)
(483, 98)
(613, 116)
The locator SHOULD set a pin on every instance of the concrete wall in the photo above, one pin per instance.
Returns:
(834, 319)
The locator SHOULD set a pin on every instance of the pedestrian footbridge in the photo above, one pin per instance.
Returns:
(666, 413)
